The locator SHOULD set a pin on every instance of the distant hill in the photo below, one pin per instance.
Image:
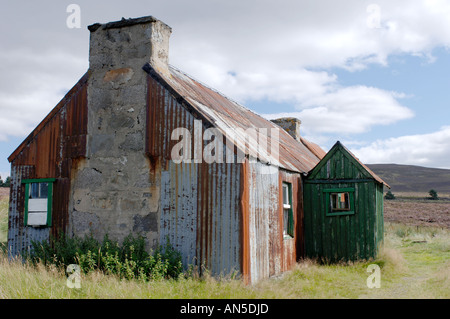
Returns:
(409, 178)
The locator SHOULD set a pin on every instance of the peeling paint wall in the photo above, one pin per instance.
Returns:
(52, 150)
(20, 237)
(269, 252)
(200, 212)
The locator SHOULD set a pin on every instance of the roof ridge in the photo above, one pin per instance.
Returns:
(216, 91)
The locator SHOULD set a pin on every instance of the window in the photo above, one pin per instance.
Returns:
(340, 201)
(288, 216)
(38, 202)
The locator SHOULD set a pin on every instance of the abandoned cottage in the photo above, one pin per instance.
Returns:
(103, 162)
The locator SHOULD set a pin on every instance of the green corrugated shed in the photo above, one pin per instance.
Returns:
(343, 209)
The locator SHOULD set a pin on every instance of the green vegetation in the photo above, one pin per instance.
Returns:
(129, 260)
(5, 183)
(433, 195)
(415, 263)
(4, 206)
(389, 195)
(408, 178)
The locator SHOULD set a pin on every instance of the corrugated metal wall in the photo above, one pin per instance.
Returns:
(20, 237)
(223, 216)
(200, 214)
(264, 222)
(269, 252)
(50, 151)
(199, 201)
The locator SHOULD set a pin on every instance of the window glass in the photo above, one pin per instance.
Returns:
(285, 194)
(34, 190)
(285, 221)
(288, 218)
(43, 190)
(340, 201)
(38, 190)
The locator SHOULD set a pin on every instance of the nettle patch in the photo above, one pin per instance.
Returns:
(128, 260)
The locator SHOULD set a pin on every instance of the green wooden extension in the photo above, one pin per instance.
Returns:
(343, 209)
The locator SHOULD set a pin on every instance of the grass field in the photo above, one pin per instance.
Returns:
(415, 263)
(4, 204)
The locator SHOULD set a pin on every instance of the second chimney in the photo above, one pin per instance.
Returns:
(290, 125)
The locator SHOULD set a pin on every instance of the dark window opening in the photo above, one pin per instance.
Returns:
(340, 202)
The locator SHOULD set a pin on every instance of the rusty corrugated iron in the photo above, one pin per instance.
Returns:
(52, 150)
(67, 120)
(233, 120)
(20, 237)
(314, 148)
(200, 212)
(202, 204)
(268, 253)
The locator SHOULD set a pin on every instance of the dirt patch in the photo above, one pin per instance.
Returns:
(4, 192)
(418, 212)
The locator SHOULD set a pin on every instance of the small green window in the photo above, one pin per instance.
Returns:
(288, 215)
(340, 201)
(38, 202)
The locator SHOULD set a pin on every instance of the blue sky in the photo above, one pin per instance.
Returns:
(372, 74)
(426, 84)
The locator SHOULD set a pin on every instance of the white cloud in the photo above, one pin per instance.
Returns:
(290, 34)
(27, 97)
(4, 175)
(250, 50)
(349, 110)
(431, 150)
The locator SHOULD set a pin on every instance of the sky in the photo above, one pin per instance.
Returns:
(371, 74)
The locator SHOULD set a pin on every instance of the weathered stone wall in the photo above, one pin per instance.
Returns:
(115, 191)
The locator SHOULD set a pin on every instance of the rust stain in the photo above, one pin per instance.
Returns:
(53, 150)
(244, 211)
(121, 75)
(218, 111)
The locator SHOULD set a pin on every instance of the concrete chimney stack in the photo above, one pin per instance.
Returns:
(120, 43)
(114, 191)
(290, 125)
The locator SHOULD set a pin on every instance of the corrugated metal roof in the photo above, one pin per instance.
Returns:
(233, 119)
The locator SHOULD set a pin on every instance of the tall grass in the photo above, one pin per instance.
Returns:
(415, 263)
(4, 206)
